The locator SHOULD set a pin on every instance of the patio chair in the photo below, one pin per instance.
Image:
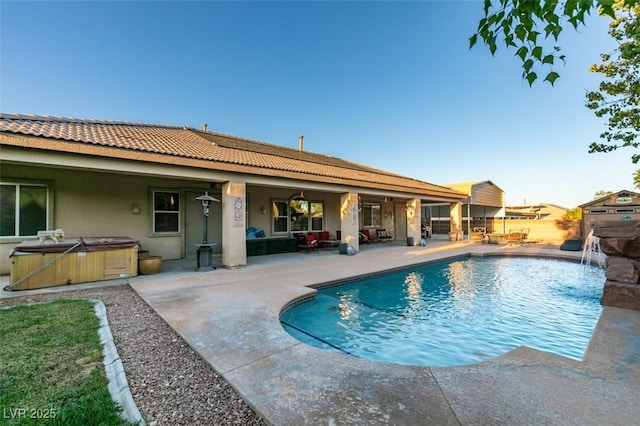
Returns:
(308, 242)
(367, 237)
(383, 235)
(513, 237)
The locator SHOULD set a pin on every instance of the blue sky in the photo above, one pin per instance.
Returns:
(389, 84)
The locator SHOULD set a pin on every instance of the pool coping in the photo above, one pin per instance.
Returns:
(231, 318)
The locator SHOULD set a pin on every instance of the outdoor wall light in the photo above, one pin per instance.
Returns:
(135, 209)
(298, 197)
(411, 210)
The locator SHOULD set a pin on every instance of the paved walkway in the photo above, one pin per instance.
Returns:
(231, 318)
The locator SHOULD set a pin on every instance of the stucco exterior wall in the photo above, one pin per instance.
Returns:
(259, 207)
(96, 204)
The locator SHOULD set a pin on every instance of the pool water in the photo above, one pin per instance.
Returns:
(456, 313)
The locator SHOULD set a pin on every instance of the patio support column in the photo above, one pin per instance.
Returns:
(349, 220)
(455, 215)
(234, 237)
(414, 229)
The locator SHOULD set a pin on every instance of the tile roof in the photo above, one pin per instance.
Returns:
(188, 146)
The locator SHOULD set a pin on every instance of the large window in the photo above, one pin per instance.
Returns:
(280, 212)
(317, 216)
(23, 209)
(371, 215)
(166, 212)
(297, 216)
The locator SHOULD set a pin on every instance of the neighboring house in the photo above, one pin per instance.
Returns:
(95, 178)
(623, 205)
(484, 202)
(539, 211)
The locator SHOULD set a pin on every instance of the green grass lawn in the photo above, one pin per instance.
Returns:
(51, 368)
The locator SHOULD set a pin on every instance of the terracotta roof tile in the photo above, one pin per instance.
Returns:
(214, 148)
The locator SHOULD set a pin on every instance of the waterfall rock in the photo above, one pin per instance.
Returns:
(620, 241)
(623, 270)
(621, 295)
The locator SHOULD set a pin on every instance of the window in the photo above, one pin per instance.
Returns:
(598, 211)
(166, 212)
(299, 213)
(280, 211)
(23, 209)
(625, 210)
(317, 216)
(371, 215)
(297, 216)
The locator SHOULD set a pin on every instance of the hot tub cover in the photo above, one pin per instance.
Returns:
(83, 244)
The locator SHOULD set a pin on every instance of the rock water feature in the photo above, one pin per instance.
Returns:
(620, 242)
(591, 252)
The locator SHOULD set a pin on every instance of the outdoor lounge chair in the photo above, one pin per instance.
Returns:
(364, 237)
(383, 235)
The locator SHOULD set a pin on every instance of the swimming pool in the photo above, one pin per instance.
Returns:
(456, 312)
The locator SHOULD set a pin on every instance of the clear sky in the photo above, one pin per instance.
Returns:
(388, 84)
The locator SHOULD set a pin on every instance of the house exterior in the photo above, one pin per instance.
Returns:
(621, 206)
(538, 211)
(94, 178)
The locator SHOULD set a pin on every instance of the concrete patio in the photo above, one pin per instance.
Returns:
(230, 317)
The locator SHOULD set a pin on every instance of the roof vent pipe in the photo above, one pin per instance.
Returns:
(204, 127)
(300, 142)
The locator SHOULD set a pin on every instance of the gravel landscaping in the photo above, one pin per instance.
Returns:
(170, 383)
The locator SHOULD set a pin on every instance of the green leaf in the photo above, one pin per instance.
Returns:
(493, 47)
(606, 8)
(527, 65)
(549, 29)
(522, 52)
(548, 59)
(569, 7)
(537, 52)
(487, 6)
(549, 6)
(521, 32)
(531, 77)
(552, 77)
(533, 36)
(472, 40)
(482, 24)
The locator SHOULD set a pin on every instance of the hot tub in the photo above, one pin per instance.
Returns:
(73, 261)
